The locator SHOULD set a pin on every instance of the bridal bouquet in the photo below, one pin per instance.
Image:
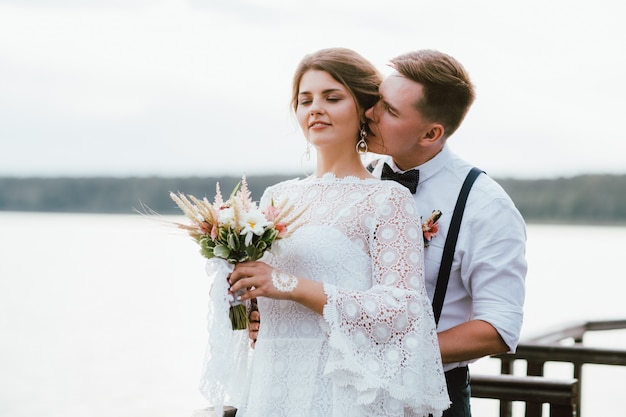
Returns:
(236, 230)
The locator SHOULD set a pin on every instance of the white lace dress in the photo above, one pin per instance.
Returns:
(374, 352)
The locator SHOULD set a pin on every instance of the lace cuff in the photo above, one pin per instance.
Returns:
(403, 371)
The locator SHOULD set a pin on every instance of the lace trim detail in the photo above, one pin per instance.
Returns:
(331, 177)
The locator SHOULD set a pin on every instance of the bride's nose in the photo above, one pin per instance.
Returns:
(316, 107)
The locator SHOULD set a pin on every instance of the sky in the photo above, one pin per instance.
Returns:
(202, 87)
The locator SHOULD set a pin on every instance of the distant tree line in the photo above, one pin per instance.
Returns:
(116, 195)
(593, 199)
(590, 199)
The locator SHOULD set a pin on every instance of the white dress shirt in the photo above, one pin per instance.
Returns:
(487, 280)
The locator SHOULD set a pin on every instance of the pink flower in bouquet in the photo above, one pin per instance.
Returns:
(272, 213)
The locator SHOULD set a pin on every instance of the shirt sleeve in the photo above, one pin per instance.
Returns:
(494, 266)
(383, 343)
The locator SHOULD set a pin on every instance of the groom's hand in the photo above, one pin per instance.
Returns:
(254, 319)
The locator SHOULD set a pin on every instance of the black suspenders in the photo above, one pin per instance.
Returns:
(448, 249)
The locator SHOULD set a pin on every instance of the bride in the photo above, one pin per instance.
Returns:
(347, 329)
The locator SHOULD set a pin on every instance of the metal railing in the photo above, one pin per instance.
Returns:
(548, 347)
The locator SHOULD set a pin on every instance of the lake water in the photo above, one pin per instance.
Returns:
(104, 315)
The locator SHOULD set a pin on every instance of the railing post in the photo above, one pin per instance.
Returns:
(506, 368)
(506, 408)
(578, 374)
(561, 411)
(578, 367)
(534, 368)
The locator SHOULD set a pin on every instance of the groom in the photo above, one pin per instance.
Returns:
(422, 103)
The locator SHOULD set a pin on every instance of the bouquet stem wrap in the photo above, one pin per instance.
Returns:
(226, 360)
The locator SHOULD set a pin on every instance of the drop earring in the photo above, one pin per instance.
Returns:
(307, 153)
(361, 145)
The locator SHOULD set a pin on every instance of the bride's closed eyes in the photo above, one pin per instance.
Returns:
(328, 95)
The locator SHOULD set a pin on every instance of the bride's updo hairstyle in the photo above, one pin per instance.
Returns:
(356, 73)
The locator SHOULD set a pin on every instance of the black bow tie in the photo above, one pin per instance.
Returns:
(409, 178)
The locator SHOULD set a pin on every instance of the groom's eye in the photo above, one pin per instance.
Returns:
(388, 109)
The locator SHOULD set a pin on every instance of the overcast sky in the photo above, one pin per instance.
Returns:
(175, 87)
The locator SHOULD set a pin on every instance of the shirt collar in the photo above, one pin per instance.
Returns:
(435, 164)
(430, 167)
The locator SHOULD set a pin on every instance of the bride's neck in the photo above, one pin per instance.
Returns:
(349, 166)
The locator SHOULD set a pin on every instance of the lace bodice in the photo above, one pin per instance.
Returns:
(374, 351)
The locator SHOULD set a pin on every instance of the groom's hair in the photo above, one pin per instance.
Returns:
(448, 92)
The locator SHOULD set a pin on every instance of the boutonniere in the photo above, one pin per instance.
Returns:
(431, 226)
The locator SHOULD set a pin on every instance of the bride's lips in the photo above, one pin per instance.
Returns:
(317, 125)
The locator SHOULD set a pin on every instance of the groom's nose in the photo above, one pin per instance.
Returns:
(371, 113)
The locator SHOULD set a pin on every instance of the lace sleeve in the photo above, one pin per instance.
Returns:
(383, 343)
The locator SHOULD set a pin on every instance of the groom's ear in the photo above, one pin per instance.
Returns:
(434, 133)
